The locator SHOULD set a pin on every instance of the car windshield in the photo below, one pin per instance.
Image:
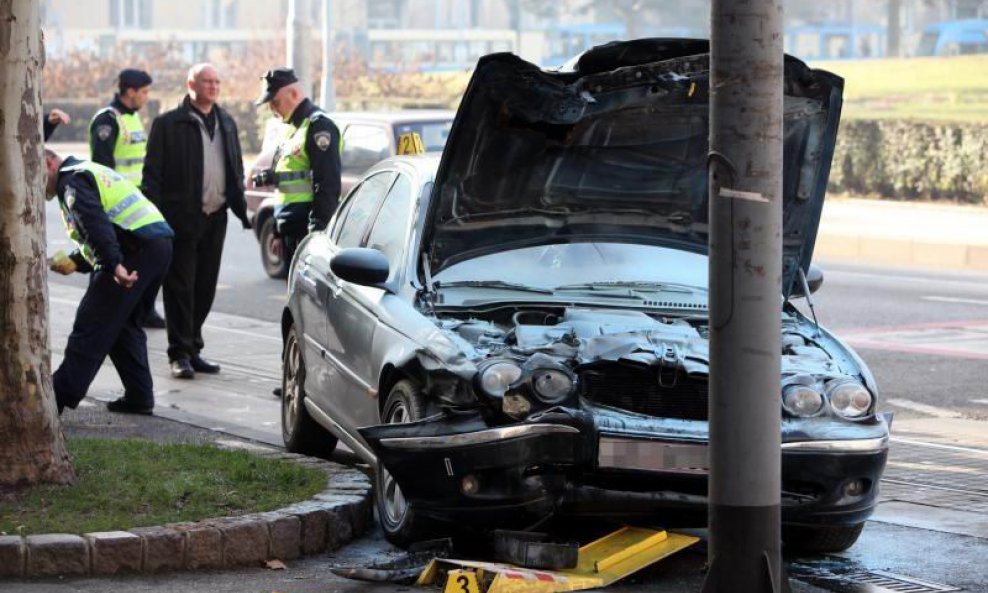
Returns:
(433, 133)
(602, 265)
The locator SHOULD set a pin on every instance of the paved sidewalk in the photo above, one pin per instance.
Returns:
(237, 401)
(883, 232)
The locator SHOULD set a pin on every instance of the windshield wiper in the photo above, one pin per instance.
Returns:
(500, 284)
(634, 284)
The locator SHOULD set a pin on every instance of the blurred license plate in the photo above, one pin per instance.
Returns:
(657, 456)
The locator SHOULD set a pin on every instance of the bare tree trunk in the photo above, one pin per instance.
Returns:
(894, 28)
(32, 449)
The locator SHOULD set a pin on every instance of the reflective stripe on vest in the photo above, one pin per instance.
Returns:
(123, 203)
(131, 145)
(293, 171)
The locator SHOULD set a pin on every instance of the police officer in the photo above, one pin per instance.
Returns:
(126, 243)
(306, 166)
(117, 139)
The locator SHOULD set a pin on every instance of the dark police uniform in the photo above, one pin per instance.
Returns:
(306, 166)
(112, 223)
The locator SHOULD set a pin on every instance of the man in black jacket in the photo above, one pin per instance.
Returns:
(193, 172)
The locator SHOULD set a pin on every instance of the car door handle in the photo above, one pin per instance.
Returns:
(335, 286)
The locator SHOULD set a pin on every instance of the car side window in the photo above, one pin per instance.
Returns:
(360, 208)
(363, 147)
(391, 225)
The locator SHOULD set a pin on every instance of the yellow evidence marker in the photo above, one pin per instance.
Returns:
(461, 581)
(410, 143)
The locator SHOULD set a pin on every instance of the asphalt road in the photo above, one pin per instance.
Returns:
(924, 334)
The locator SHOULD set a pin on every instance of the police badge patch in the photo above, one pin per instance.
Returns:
(323, 140)
(103, 132)
(69, 196)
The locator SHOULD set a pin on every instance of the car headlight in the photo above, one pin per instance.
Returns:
(850, 399)
(496, 378)
(802, 400)
(552, 385)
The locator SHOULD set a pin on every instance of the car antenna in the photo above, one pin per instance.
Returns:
(809, 299)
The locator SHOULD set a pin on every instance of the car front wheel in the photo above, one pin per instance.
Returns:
(820, 538)
(299, 431)
(399, 520)
(275, 265)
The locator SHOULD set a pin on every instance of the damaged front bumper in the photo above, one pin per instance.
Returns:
(603, 462)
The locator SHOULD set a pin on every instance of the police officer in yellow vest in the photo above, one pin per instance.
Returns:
(117, 139)
(306, 166)
(116, 135)
(125, 242)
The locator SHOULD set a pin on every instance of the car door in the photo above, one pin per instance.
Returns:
(389, 235)
(322, 312)
(347, 323)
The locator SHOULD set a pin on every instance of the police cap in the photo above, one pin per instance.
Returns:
(132, 78)
(273, 81)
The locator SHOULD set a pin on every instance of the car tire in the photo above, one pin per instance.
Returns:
(820, 538)
(275, 266)
(299, 431)
(399, 520)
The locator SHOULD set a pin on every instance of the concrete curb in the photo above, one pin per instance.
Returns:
(902, 252)
(329, 520)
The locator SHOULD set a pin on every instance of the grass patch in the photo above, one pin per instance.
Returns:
(941, 89)
(136, 483)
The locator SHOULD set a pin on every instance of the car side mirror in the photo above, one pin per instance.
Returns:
(814, 279)
(360, 265)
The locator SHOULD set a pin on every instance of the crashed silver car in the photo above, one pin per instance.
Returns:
(519, 330)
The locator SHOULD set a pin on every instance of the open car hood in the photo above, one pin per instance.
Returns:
(614, 149)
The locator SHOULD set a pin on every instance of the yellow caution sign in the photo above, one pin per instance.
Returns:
(461, 581)
(601, 563)
(410, 143)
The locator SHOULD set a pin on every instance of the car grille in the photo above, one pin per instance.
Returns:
(639, 390)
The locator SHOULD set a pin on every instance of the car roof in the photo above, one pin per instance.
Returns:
(407, 115)
(423, 165)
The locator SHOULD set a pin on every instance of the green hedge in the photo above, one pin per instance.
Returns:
(910, 160)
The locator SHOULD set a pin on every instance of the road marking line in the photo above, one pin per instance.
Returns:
(940, 299)
(933, 281)
(909, 327)
(939, 446)
(980, 401)
(924, 408)
(895, 347)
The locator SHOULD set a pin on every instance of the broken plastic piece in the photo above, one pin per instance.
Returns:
(533, 550)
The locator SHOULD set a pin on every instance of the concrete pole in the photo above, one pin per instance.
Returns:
(300, 42)
(745, 181)
(327, 92)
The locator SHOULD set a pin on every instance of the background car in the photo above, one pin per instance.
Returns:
(519, 330)
(368, 138)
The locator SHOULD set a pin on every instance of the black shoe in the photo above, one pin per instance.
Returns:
(125, 406)
(154, 320)
(276, 391)
(201, 365)
(181, 369)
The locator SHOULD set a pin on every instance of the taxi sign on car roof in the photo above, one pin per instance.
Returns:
(410, 143)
